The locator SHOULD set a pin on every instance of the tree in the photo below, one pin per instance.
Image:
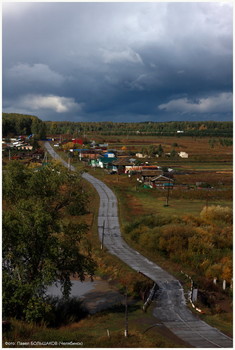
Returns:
(175, 144)
(173, 153)
(160, 150)
(39, 247)
(42, 131)
(34, 143)
(69, 145)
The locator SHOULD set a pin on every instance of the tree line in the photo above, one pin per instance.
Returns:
(208, 128)
(20, 124)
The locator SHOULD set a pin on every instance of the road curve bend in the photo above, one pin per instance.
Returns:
(170, 307)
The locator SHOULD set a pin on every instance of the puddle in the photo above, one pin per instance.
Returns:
(96, 295)
(78, 289)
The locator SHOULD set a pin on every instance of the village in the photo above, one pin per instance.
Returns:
(141, 164)
(23, 148)
(144, 166)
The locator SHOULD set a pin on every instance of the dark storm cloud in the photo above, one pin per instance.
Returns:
(118, 61)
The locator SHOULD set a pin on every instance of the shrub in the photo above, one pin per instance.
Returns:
(65, 311)
(203, 243)
(216, 212)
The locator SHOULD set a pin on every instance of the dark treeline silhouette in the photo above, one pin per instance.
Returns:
(20, 124)
(185, 128)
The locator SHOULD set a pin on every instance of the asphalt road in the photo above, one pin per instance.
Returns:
(170, 304)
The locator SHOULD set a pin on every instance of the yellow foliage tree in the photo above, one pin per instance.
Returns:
(69, 145)
(227, 269)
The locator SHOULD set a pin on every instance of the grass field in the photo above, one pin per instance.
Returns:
(139, 201)
(92, 332)
(194, 146)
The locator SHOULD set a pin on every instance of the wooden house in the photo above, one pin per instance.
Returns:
(148, 175)
(162, 182)
(121, 164)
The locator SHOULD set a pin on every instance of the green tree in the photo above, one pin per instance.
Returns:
(38, 246)
(173, 153)
(42, 131)
(160, 150)
(175, 144)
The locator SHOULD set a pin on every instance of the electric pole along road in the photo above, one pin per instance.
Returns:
(170, 302)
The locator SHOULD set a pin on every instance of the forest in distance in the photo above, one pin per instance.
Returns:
(20, 124)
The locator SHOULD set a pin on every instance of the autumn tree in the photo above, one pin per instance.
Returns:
(69, 145)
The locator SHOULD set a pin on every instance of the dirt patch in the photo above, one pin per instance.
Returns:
(135, 206)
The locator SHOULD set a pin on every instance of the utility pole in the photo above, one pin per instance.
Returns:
(167, 195)
(102, 240)
(9, 154)
(126, 316)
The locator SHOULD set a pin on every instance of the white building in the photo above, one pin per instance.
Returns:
(140, 155)
(183, 154)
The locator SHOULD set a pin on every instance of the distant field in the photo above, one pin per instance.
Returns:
(204, 153)
(144, 202)
(134, 201)
(211, 166)
(189, 144)
(152, 205)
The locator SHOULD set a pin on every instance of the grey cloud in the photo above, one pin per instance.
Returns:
(118, 59)
(35, 73)
(126, 55)
(218, 103)
(58, 104)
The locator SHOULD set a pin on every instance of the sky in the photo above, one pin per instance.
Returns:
(118, 61)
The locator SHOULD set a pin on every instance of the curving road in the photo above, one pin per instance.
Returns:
(170, 307)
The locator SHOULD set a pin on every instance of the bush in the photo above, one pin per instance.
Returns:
(203, 243)
(65, 311)
(218, 213)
